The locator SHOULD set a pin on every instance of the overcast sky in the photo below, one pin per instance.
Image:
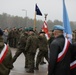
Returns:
(54, 8)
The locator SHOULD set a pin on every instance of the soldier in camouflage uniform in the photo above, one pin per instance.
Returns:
(10, 37)
(5, 57)
(43, 49)
(30, 49)
(21, 45)
(15, 37)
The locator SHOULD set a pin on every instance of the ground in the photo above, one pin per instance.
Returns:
(19, 66)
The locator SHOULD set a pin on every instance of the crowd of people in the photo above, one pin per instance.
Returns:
(58, 51)
(27, 41)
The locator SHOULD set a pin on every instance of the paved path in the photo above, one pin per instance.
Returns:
(20, 70)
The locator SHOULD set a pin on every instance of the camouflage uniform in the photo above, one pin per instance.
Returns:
(5, 65)
(30, 49)
(15, 37)
(21, 46)
(43, 50)
(10, 38)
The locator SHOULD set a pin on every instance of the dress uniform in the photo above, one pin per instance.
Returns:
(60, 53)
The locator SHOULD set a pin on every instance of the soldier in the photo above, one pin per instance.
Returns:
(30, 49)
(60, 53)
(5, 57)
(10, 37)
(43, 49)
(21, 45)
(15, 37)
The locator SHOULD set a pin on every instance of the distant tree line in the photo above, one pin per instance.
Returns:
(9, 21)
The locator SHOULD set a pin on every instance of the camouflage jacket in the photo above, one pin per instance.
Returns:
(43, 43)
(22, 41)
(32, 44)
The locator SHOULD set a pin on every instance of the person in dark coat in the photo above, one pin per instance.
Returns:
(73, 60)
(5, 57)
(60, 53)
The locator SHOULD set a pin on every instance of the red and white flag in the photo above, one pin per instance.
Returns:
(45, 29)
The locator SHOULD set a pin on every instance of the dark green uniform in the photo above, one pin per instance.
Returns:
(5, 65)
(15, 38)
(21, 46)
(43, 50)
(30, 49)
(10, 38)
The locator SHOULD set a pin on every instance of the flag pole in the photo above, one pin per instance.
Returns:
(35, 21)
(45, 17)
(45, 27)
(37, 12)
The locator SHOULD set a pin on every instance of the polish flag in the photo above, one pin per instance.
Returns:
(45, 29)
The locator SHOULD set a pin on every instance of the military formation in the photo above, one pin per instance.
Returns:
(28, 41)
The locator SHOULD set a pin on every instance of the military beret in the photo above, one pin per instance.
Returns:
(30, 29)
(58, 27)
(1, 32)
(26, 29)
